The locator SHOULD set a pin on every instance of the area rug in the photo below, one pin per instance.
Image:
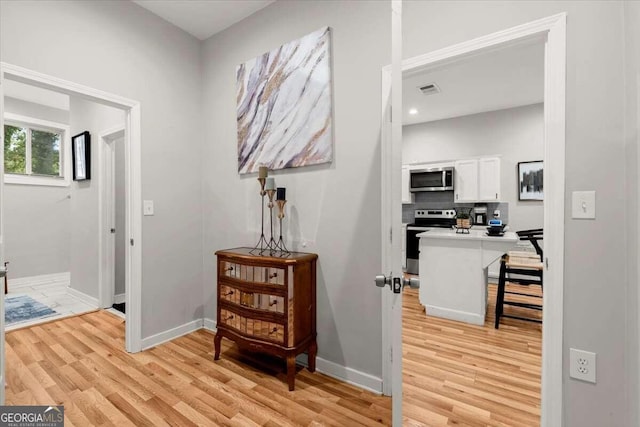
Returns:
(21, 308)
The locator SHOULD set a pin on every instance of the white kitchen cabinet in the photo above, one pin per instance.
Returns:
(477, 180)
(489, 179)
(407, 195)
(465, 179)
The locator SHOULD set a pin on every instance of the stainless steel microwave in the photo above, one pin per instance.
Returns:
(431, 179)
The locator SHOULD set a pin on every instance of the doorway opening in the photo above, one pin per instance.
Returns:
(133, 208)
(551, 30)
(112, 222)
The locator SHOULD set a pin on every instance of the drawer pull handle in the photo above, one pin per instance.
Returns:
(230, 317)
(230, 268)
(274, 302)
(229, 293)
(274, 275)
(273, 331)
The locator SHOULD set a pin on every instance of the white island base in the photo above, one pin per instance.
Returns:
(453, 272)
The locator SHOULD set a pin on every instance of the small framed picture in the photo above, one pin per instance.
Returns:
(81, 151)
(531, 180)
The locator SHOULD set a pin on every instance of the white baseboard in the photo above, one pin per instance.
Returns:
(64, 277)
(343, 373)
(119, 298)
(461, 316)
(172, 334)
(88, 299)
(210, 325)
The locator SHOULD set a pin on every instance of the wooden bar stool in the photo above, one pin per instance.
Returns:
(524, 268)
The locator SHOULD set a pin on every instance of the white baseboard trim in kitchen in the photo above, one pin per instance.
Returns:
(64, 277)
(172, 334)
(87, 299)
(461, 316)
(345, 374)
(210, 325)
(119, 298)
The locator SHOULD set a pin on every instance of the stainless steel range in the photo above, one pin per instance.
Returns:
(425, 220)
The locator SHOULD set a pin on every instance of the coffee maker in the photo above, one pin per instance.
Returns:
(480, 215)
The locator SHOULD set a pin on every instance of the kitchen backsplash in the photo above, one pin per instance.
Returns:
(444, 200)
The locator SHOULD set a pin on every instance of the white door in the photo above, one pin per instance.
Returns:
(489, 179)
(391, 171)
(2, 272)
(466, 181)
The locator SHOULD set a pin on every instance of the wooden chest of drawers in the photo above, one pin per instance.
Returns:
(268, 304)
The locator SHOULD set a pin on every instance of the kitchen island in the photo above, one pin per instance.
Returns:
(453, 271)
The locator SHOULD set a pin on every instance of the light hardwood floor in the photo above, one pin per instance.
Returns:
(80, 362)
(460, 374)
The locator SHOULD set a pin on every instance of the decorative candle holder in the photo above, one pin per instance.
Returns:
(262, 244)
(280, 244)
(272, 243)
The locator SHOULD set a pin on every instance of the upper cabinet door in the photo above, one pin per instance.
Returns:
(407, 196)
(489, 179)
(465, 186)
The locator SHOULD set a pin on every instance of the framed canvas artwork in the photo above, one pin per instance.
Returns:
(284, 106)
(530, 179)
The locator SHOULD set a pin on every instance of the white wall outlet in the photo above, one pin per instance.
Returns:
(582, 365)
(583, 205)
(147, 207)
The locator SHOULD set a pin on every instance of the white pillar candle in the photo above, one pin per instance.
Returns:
(270, 184)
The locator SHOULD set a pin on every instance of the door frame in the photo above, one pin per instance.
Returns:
(106, 215)
(553, 29)
(133, 184)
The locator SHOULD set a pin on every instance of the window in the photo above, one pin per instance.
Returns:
(35, 151)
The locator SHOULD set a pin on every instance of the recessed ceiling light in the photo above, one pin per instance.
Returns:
(413, 111)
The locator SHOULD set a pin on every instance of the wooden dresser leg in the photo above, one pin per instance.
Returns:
(313, 350)
(216, 344)
(291, 371)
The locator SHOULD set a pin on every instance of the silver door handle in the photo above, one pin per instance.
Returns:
(413, 283)
(382, 280)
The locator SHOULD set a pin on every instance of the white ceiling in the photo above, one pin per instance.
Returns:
(36, 95)
(507, 78)
(203, 18)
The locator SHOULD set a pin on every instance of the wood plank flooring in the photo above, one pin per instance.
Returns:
(460, 374)
(80, 362)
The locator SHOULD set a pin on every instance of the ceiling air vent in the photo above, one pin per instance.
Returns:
(429, 89)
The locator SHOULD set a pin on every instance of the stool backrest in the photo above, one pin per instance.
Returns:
(534, 236)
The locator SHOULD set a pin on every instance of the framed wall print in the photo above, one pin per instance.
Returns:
(530, 180)
(81, 152)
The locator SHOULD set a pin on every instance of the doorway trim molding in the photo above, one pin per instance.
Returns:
(553, 28)
(133, 181)
(106, 213)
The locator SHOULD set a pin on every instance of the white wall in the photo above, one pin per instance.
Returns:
(516, 134)
(632, 139)
(595, 284)
(124, 49)
(95, 118)
(36, 222)
(334, 208)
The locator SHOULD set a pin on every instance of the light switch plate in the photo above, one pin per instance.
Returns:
(148, 207)
(583, 205)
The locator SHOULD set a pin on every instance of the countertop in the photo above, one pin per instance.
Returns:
(446, 233)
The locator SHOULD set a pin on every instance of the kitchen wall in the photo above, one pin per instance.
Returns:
(95, 118)
(36, 218)
(121, 48)
(515, 135)
(632, 140)
(333, 210)
(595, 285)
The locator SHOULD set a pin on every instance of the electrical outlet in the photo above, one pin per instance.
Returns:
(582, 365)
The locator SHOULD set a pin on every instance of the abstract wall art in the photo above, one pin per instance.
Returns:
(284, 106)
(531, 180)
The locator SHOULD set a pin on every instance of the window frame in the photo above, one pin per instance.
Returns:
(31, 123)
